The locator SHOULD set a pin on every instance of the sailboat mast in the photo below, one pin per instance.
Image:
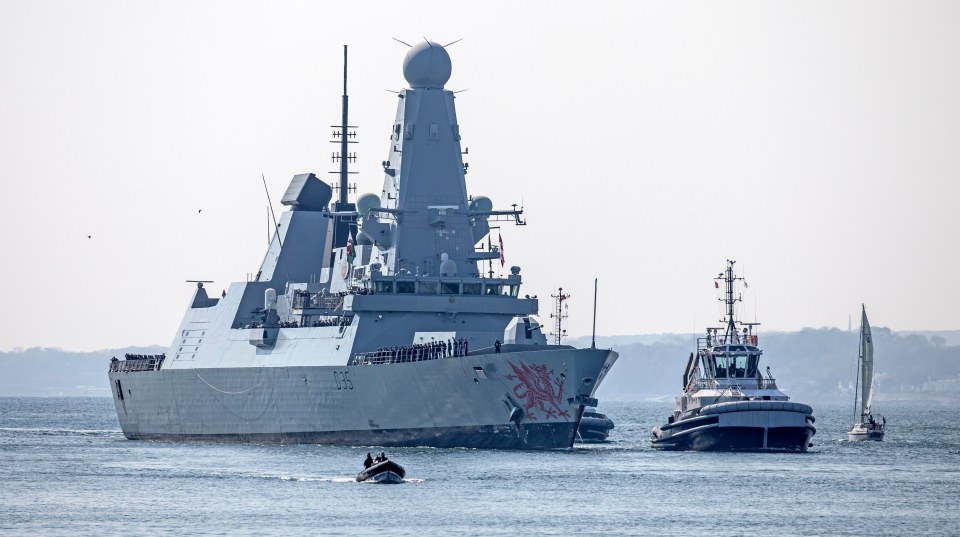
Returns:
(866, 364)
(856, 390)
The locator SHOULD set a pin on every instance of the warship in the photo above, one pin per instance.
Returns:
(727, 404)
(372, 322)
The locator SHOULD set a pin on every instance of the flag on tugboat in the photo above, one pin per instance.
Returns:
(501, 248)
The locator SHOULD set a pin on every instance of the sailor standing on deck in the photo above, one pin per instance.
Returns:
(496, 346)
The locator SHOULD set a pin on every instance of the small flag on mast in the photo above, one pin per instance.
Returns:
(501, 249)
(350, 253)
(715, 284)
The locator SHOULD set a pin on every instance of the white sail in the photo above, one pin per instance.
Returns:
(866, 364)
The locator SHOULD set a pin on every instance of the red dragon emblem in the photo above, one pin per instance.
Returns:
(535, 386)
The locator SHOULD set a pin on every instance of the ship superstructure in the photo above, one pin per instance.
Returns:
(727, 403)
(372, 323)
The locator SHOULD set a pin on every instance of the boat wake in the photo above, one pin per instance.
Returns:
(59, 432)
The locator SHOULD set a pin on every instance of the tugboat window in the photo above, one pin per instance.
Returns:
(711, 366)
(752, 365)
(724, 366)
(741, 365)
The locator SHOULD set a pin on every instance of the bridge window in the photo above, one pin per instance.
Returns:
(384, 287)
(450, 288)
(514, 289)
(492, 289)
(471, 288)
(429, 288)
(406, 287)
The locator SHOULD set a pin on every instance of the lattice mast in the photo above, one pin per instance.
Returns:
(560, 312)
(731, 336)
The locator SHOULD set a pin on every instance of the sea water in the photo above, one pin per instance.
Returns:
(66, 469)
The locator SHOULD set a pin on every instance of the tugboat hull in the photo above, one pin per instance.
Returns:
(740, 426)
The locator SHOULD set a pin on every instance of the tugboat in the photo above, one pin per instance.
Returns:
(868, 428)
(727, 404)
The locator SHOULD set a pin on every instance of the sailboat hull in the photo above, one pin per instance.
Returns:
(872, 435)
(861, 433)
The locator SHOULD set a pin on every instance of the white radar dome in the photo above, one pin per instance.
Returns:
(367, 202)
(427, 65)
(481, 203)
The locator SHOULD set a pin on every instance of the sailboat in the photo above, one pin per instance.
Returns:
(868, 428)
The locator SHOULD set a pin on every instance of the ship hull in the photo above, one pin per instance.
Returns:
(523, 400)
(740, 426)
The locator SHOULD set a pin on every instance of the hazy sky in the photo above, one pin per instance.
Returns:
(817, 143)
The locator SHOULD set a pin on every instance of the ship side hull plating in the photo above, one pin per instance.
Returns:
(523, 400)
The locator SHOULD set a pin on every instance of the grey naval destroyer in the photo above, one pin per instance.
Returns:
(372, 322)
(727, 404)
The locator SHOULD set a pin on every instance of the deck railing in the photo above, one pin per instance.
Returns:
(411, 353)
(137, 362)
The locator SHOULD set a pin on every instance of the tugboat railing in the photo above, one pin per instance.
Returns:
(739, 383)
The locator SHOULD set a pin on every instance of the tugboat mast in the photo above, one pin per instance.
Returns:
(731, 336)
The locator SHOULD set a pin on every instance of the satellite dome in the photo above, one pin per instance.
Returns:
(366, 202)
(427, 65)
